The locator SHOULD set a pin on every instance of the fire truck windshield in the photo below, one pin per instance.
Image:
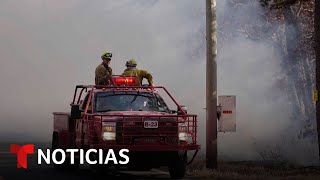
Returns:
(129, 101)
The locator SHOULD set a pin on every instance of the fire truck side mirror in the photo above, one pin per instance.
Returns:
(75, 111)
(218, 112)
(184, 108)
(173, 111)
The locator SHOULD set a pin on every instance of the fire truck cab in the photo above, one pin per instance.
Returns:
(126, 116)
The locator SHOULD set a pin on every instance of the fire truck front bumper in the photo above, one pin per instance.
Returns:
(148, 147)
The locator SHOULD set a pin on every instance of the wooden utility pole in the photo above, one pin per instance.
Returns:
(211, 86)
(317, 51)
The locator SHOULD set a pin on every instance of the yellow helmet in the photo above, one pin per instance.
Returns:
(131, 62)
(106, 55)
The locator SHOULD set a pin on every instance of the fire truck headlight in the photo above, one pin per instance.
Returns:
(108, 131)
(109, 136)
(183, 136)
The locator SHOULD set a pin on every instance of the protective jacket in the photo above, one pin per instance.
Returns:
(140, 74)
(103, 75)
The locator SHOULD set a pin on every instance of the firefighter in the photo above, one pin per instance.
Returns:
(133, 71)
(103, 71)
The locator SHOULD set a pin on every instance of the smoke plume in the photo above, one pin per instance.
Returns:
(47, 47)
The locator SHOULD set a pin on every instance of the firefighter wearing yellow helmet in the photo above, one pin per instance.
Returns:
(103, 72)
(133, 71)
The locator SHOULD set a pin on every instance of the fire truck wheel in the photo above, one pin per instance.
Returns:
(66, 166)
(177, 167)
(55, 145)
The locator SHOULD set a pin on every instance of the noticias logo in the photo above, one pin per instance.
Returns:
(82, 155)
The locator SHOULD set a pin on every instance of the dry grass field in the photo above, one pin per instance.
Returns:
(250, 171)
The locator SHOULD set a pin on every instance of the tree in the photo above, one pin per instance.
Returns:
(317, 52)
(286, 6)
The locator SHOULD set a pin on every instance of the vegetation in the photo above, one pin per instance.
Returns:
(249, 170)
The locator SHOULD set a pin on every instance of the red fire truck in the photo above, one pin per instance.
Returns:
(125, 116)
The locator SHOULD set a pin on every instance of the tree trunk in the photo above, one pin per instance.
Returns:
(317, 51)
(300, 72)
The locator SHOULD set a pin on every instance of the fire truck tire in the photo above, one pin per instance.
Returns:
(177, 167)
(66, 166)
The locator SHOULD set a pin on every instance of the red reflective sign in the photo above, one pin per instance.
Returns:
(227, 112)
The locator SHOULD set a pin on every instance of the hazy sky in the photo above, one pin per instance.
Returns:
(49, 46)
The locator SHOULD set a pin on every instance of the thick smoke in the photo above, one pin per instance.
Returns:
(250, 68)
(47, 47)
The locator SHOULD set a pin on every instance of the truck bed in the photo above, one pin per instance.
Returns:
(61, 121)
